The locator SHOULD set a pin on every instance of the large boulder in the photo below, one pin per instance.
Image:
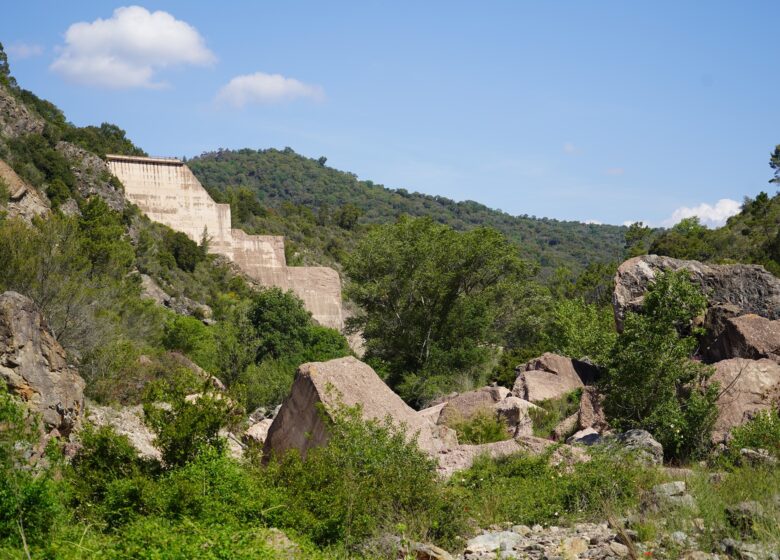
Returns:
(747, 386)
(551, 376)
(320, 388)
(33, 365)
(466, 406)
(751, 288)
(748, 336)
(591, 412)
(24, 202)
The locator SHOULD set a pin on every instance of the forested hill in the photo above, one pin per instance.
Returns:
(283, 176)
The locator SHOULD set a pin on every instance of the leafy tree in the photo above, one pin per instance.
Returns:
(637, 239)
(435, 300)
(184, 250)
(347, 217)
(688, 239)
(58, 193)
(774, 163)
(581, 330)
(280, 322)
(652, 382)
(104, 242)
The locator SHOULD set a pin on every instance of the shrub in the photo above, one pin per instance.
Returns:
(760, 432)
(186, 426)
(280, 321)
(190, 336)
(582, 330)
(267, 383)
(30, 501)
(367, 478)
(652, 382)
(482, 428)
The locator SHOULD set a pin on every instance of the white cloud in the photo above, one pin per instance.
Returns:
(714, 216)
(126, 50)
(266, 88)
(24, 50)
(615, 171)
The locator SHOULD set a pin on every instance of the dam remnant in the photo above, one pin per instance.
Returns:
(168, 192)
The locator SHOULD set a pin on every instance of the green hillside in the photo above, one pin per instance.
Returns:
(322, 196)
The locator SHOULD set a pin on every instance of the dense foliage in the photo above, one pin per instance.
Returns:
(653, 383)
(435, 302)
(323, 209)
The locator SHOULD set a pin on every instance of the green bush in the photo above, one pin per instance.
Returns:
(191, 337)
(482, 428)
(186, 426)
(267, 383)
(581, 330)
(760, 432)
(368, 478)
(652, 382)
(30, 500)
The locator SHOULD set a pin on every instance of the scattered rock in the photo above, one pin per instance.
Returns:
(673, 493)
(127, 421)
(751, 288)
(551, 376)
(423, 551)
(746, 386)
(34, 367)
(258, 432)
(642, 445)
(490, 543)
(282, 545)
(588, 436)
(757, 457)
(744, 516)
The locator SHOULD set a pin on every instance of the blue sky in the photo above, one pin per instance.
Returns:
(604, 111)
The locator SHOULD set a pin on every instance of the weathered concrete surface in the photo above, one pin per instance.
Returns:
(168, 192)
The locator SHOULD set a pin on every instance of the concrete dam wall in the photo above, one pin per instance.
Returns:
(168, 192)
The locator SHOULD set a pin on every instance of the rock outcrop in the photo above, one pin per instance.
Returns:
(747, 386)
(551, 376)
(15, 118)
(750, 288)
(344, 382)
(746, 336)
(24, 201)
(33, 365)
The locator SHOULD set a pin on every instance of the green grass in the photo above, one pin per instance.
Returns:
(482, 428)
(552, 412)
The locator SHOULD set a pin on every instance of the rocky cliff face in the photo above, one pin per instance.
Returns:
(15, 118)
(33, 365)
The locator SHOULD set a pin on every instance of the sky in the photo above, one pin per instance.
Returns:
(609, 112)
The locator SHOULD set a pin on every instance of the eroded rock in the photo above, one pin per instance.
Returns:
(551, 376)
(747, 386)
(34, 367)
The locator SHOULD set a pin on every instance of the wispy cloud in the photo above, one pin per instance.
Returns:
(24, 50)
(710, 215)
(571, 149)
(262, 88)
(128, 49)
